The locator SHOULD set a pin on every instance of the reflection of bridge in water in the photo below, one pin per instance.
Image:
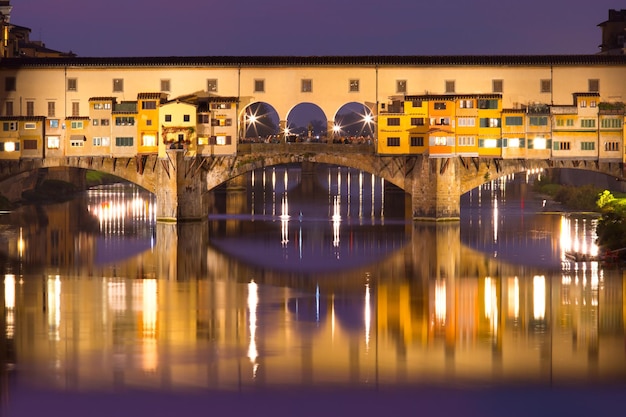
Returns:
(432, 311)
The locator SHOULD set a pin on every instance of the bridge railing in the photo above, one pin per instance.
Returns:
(301, 148)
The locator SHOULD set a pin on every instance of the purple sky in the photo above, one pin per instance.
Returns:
(319, 27)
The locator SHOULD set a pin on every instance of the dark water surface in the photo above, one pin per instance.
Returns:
(307, 293)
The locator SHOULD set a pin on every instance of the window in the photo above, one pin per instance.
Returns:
(569, 122)
(72, 84)
(587, 146)
(560, 122)
(77, 143)
(466, 104)
(611, 123)
(439, 106)
(51, 109)
(545, 86)
(95, 122)
(9, 126)
(186, 118)
(76, 125)
(168, 117)
(400, 86)
(259, 86)
(514, 120)
(10, 84)
(497, 86)
(203, 119)
(149, 122)
(54, 123)
(149, 105)
(149, 140)
(588, 123)
(307, 86)
(489, 122)
(487, 104)
(53, 142)
(417, 141)
(561, 146)
(124, 121)
(221, 106)
(417, 121)
(415, 103)
(30, 108)
(583, 103)
(393, 121)
(354, 86)
(594, 85)
(223, 140)
(123, 141)
(393, 141)
(440, 121)
(467, 121)
(467, 140)
(118, 85)
(221, 122)
(30, 144)
(30, 125)
(611, 146)
(450, 87)
(75, 108)
(538, 121)
(101, 141)
(8, 108)
(165, 85)
(104, 122)
(211, 85)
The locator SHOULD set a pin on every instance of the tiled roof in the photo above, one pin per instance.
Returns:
(292, 61)
(102, 99)
(151, 96)
(23, 118)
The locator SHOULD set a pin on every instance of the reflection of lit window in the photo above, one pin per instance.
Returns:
(513, 298)
(440, 302)
(253, 302)
(54, 307)
(539, 297)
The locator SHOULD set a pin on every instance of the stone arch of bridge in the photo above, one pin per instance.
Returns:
(227, 169)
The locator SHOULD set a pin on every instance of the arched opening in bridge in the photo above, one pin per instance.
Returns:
(353, 122)
(260, 123)
(307, 122)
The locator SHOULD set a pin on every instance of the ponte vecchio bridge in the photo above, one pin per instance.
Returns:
(180, 182)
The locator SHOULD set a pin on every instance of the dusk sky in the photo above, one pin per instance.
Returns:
(320, 27)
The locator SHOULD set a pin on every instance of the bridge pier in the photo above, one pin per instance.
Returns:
(436, 190)
(180, 189)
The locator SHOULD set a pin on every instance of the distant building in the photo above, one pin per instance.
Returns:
(15, 40)
(613, 33)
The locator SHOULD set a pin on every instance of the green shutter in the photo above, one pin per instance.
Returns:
(505, 142)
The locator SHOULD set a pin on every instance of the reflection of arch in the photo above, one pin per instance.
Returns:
(258, 119)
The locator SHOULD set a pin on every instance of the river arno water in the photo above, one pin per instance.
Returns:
(298, 297)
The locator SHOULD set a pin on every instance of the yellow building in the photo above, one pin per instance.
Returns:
(177, 120)
(611, 128)
(21, 137)
(99, 134)
(490, 125)
(575, 128)
(148, 105)
(514, 133)
(467, 126)
(124, 129)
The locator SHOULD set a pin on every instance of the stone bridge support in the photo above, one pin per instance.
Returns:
(181, 189)
(435, 188)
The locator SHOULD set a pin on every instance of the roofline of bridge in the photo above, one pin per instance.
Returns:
(312, 61)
